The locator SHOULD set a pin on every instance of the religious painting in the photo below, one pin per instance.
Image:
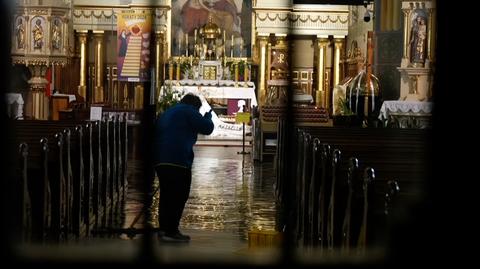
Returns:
(134, 28)
(38, 27)
(232, 16)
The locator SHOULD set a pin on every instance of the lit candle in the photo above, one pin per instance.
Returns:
(179, 45)
(241, 46)
(195, 36)
(231, 48)
(186, 44)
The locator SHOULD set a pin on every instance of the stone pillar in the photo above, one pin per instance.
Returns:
(406, 37)
(262, 41)
(320, 62)
(98, 94)
(37, 107)
(82, 40)
(337, 76)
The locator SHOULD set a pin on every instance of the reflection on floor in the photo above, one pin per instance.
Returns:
(230, 196)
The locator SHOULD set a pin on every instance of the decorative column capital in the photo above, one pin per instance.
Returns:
(322, 42)
(262, 37)
(82, 36)
(98, 34)
(338, 42)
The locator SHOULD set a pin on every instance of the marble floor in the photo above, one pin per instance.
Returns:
(231, 195)
(231, 217)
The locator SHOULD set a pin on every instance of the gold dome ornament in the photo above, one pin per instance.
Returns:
(210, 30)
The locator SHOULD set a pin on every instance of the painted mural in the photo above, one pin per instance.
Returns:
(233, 16)
(133, 44)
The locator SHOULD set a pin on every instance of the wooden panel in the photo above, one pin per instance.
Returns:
(58, 103)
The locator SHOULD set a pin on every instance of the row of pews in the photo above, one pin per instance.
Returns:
(340, 185)
(70, 176)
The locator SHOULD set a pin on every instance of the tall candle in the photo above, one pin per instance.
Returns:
(231, 48)
(186, 44)
(170, 71)
(195, 36)
(224, 37)
(241, 46)
(179, 45)
(178, 72)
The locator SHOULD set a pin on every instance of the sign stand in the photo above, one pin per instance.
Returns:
(243, 117)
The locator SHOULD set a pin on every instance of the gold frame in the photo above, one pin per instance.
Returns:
(295, 75)
(303, 75)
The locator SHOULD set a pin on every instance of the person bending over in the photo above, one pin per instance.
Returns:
(176, 132)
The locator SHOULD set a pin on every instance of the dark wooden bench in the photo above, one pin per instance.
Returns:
(73, 161)
(333, 197)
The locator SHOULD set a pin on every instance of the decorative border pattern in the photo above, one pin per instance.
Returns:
(302, 23)
(106, 18)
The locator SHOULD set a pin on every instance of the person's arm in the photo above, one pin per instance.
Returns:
(202, 124)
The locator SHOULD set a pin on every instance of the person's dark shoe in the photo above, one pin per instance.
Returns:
(183, 236)
(174, 238)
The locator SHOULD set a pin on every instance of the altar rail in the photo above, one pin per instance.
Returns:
(339, 183)
(70, 176)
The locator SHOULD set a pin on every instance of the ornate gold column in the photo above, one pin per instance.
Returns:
(82, 40)
(98, 95)
(321, 58)
(138, 96)
(262, 41)
(337, 76)
(406, 37)
(159, 61)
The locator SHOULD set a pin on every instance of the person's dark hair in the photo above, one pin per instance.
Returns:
(192, 99)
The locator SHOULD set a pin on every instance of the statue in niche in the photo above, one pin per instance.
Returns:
(56, 34)
(418, 40)
(20, 32)
(37, 35)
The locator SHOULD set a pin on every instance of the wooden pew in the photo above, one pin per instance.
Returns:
(44, 160)
(71, 176)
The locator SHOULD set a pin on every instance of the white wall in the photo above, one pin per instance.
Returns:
(274, 4)
(358, 28)
(120, 2)
(302, 52)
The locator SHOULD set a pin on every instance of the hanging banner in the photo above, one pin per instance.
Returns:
(134, 28)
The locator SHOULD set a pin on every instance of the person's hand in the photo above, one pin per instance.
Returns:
(208, 114)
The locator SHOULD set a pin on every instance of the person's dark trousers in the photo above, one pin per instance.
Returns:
(174, 191)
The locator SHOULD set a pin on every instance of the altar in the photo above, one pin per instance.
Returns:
(406, 114)
(222, 89)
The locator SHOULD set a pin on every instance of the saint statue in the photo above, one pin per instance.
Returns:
(56, 35)
(418, 40)
(20, 31)
(37, 35)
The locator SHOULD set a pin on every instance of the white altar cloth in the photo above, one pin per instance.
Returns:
(404, 107)
(220, 92)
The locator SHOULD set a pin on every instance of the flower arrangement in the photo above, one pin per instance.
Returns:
(168, 98)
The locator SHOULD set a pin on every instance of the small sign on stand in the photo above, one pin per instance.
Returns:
(96, 113)
(243, 117)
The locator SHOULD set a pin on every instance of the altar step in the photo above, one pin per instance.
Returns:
(219, 141)
(131, 64)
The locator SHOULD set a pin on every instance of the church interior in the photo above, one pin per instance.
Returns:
(323, 111)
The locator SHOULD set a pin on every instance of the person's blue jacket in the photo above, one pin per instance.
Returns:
(176, 132)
